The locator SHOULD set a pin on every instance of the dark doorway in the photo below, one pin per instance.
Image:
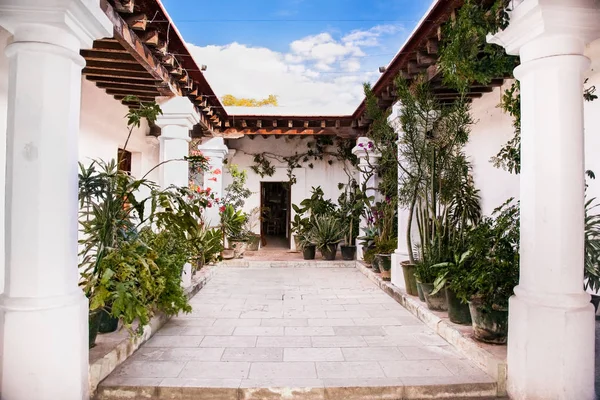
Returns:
(276, 212)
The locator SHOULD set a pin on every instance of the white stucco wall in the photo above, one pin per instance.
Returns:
(324, 175)
(492, 128)
(103, 131)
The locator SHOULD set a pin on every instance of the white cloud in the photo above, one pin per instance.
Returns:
(319, 74)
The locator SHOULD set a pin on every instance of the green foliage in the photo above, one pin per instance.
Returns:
(171, 256)
(318, 149)
(592, 246)
(465, 55)
(509, 156)
(232, 222)
(208, 244)
(130, 281)
(352, 203)
(493, 259)
(236, 192)
(386, 247)
(368, 239)
(326, 231)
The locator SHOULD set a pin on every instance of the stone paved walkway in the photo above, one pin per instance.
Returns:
(301, 328)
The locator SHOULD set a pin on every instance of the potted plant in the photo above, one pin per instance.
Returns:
(352, 204)
(384, 252)
(494, 272)
(454, 271)
(327, 233)
(367, 241)
(232, 226)
(307, 246)
(253, 239)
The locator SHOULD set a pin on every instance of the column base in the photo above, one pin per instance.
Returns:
(186, 276)
(550, 348)
(44, 348)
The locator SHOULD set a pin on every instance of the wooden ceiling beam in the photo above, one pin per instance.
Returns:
(151, 88)
(119, 80)
(115, 66)
(425, 59)
(150, 37)
(259, 123)
(140, 52)
(108, 55)
(137, 22)
(141, 98)
(125, 6)
(266, 132)
(108, 74)
(105, 44)
(137, 92)
(432, 46)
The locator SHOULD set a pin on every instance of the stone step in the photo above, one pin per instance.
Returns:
(428, 388)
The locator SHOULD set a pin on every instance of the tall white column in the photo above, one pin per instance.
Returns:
(551, 320)
(178, 117)
(368, 159)
(216, 151)
(43, 312)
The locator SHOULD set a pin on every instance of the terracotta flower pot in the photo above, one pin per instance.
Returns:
(385, 265)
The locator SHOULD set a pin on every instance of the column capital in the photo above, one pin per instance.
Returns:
(542, 28)
(214, 148)
(365, 149)
(73, 24)
(178, 111)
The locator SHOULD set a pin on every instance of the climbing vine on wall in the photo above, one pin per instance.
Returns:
(320, 149)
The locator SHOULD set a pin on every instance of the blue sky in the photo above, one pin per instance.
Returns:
(313, 54)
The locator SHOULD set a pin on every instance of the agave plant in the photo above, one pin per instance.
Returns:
(326, 231)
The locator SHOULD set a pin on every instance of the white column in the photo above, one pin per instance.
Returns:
(401, 252)
(368, 159)
(43, 312)
(178, 117)
(551, 320)
(216, 151)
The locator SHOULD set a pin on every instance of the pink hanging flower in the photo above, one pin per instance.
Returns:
(217, 171)
(212, 179)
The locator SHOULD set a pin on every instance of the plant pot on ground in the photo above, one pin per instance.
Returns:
(108, 323)
(490, 325)
(309, 252)
(385, 265)
(348, 252)
(228, 254)
(94, 324)
(253, 242)
(458, 311)
(420, 291)
(238, 246)
(435, 302)
(410, 281)
(326, 234)
(375, 264)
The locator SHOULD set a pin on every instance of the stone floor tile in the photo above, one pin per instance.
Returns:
(191, 322)
(338, 341)
(207, 331)
(372, 354)
(309, 331)
(229, 341)
(331, 322)
(312, 354)
(400, 369)
(147, 354)
(305, 314)
(201, 383)
(429, 352)
(170, 330)
(215, 370)
(324, 307)
(174, 341)
(347, 314)
(258, 331)
(349, 369)
(431, 339)
(339, 301)
(377, 321)
(358, 330)
(235, 322)
(270, 370)
(288, 383)
(253, 354)
(364, 307)
(189, 354)
(461, 367)
(122, 380)
(406, 330)
(392, 341)
(284, 322)
(150, 369)
(284, 341)
(262, 314)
